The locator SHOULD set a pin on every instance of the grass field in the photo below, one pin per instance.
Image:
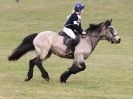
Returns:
(109, 73)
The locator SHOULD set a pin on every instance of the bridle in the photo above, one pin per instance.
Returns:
(98, 36)
(111, 31)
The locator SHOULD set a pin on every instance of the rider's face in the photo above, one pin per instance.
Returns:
(82, 11)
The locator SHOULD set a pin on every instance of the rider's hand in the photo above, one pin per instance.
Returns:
(84, 33)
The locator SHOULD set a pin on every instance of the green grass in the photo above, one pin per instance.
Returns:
(109, 72)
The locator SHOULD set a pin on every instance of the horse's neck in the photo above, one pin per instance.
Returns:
(94, 41)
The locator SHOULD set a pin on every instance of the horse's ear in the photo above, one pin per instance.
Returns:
(108, 23)
(110, 20)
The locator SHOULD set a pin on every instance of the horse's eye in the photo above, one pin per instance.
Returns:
(111, 29)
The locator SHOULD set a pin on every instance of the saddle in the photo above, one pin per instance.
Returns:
(66, 39)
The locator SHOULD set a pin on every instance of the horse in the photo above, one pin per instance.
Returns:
(49, 42)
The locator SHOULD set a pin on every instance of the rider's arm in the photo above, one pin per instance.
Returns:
(77, 25)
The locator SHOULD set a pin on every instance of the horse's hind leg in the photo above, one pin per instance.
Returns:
(32, 63)
(30, 71)
(43, 71)
(43, 55)
(43, 52)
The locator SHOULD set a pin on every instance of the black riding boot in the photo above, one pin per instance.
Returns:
(69, 47)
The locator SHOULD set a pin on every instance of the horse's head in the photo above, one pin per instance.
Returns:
(104, 31)
(108, 32)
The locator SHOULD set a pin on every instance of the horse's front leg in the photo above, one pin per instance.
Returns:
(78, 65)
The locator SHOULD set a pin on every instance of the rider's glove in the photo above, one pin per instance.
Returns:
(84, 33)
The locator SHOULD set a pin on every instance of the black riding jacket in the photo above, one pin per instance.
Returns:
(74, 23)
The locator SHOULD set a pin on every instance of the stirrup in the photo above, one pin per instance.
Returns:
(69, 53)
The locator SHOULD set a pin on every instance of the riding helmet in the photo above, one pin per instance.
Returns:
(79, 6)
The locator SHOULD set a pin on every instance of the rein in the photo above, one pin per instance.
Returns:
(113, 35)
(90, 36)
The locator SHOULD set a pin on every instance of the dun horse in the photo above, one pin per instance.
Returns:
(48, 42)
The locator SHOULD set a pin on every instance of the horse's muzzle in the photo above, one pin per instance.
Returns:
(119, 40)
(116, 42)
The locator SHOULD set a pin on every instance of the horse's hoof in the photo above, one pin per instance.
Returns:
(46, 78)
(63, 81)
(27, 78)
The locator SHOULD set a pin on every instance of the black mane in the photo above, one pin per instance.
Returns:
(97, 27)
(93, 27)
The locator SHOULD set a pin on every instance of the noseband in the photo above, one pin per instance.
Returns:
(112, 32)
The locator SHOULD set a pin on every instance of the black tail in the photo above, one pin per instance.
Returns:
(23, 48)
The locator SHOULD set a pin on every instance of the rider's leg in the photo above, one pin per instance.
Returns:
(69, 32)
(72, 36)
(69, 47)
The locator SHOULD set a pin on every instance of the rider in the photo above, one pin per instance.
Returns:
(73, 25)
